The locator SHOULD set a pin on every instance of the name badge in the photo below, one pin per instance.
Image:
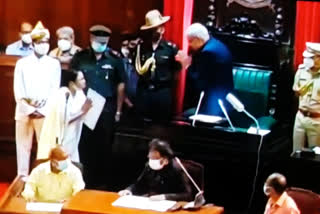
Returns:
(165, 57)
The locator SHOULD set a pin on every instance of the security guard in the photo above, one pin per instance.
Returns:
(156, 65)
(104, 73)
(307, 87)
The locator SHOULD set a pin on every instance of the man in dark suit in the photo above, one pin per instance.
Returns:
(209, 69)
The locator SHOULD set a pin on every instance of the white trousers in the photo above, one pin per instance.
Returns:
(24, 135)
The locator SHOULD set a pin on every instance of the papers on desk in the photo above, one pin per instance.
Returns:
(93, 114)
(253, 130)
(316, 150)
(44, 207)
(138, 202)
(206, 118)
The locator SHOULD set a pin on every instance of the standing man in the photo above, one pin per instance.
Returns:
(209, 69)
(66, 48)
(156, 66)
(36, 78)
(104, 72)
(23, 47)
(279, 201)
(306, 132)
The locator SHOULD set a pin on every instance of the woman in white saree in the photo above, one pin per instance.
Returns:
(64, 121)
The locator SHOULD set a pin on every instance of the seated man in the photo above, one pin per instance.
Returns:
(55, 180)
(22, 47)
(162, 178)
(279, 201)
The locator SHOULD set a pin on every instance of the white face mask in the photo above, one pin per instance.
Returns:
(308, 62)
(155, 164)
(64, 44)
(62, 165)
(26, 38)
(266, 190)
(42, 48)
(98, 47)
(125, 51)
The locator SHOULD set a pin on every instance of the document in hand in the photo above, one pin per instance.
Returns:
(44, 207)
(93, 114)
(138, 202)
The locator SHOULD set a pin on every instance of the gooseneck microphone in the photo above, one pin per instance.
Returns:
(226, 114)
(198, 107)
(199, 198)
(240, 108)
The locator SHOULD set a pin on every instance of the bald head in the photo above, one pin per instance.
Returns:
(58, 154)
(25, 27)
(278, 182)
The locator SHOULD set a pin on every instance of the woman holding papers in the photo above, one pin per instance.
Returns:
(162, 178)
(63, 124)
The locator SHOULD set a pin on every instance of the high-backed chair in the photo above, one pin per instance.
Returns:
(196, 171)
(307, 201)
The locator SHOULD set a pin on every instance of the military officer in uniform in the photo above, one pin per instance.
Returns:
(104, 73)
(306, 85)
(156, 66)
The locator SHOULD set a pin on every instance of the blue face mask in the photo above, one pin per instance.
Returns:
(98, 47)
(62, 165)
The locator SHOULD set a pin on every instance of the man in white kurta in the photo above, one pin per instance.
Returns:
(36, 78)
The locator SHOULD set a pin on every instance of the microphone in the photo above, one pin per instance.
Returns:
(235, 102)
(199, 198)
(198, 107)
(226, 114)
(240, 108)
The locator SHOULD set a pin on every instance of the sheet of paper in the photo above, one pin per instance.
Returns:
(316, 150)
(44, 207)
(253, 130)
(205, 118)
(93, 114)
(139, 202)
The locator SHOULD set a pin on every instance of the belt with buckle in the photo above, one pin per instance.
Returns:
(309, 114)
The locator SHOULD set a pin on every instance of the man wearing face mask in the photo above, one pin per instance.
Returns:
(306, 132)
(156, 66)
(23, 47)
(36, 78)
(56, 180)
(162, 177)
(66, 48)
(104, 73)
(279, 201)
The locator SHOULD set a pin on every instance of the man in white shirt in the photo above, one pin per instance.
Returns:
(22, 47)
(56, 180)
(36, 78)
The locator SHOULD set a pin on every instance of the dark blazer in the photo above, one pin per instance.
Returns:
(211, 72)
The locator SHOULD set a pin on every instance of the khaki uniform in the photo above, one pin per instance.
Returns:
(64, 57)
(306, 132)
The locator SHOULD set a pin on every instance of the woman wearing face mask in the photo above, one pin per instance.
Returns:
(162, 178)
(64, 122)
(279, 201)
(66, 48)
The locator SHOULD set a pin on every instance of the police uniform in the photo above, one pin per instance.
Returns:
(103, 76)
(306, 131)
(155, 86)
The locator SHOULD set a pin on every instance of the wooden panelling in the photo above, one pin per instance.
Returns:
(119, 15)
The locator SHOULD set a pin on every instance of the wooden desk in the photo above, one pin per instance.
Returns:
(86, 201)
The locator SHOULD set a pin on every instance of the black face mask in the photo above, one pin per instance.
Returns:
(155, 36)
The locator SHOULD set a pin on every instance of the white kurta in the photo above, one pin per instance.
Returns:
(56, 127)
(35, 79)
